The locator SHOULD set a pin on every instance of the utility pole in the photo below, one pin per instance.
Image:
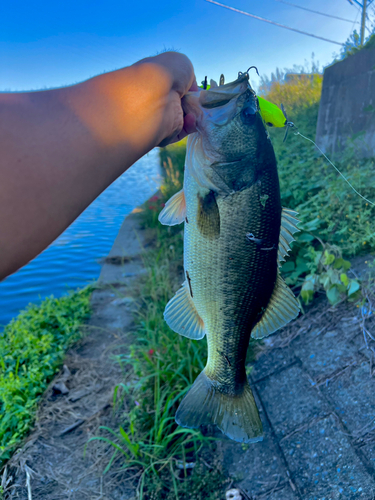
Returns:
(363, 22)
(363, 6)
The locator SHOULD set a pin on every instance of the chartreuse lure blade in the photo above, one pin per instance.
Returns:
(271, 114)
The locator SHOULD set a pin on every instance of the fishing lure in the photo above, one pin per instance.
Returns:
(271, 114)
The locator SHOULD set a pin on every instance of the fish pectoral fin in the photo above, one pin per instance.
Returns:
(174, 211)
(181, 315)
(289, 224)
(282, 308)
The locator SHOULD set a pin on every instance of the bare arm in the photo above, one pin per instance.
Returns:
(59, 149)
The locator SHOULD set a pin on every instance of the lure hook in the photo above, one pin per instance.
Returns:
(256, 69)
(247, 72)
(288, 124)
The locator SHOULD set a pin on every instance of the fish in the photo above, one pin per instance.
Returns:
(236, 234)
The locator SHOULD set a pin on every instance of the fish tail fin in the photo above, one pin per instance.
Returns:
(235, 415)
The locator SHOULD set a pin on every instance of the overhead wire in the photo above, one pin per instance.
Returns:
(315, 11)
(272, 22)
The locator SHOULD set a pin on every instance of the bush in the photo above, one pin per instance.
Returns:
(300, 92)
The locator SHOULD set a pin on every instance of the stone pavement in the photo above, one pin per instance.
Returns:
(316, 397)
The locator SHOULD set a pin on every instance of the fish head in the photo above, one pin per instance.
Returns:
(230, 127)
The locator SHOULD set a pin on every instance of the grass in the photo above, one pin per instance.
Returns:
(32, 347)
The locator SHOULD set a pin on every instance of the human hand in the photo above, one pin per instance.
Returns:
(175, 123)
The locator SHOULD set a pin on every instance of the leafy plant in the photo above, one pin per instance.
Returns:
(32, 347)
(328, 270)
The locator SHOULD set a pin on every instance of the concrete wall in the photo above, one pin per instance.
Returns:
(347, 107)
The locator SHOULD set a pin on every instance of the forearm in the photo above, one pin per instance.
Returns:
(61, 148)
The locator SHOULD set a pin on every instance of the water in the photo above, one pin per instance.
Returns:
(72, 260)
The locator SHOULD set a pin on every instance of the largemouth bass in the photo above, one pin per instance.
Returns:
(236, 235)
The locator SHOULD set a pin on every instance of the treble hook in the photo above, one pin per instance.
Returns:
(288, 124)
(256, 69)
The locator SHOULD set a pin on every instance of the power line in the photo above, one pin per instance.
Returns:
(272, 22)
(369, 2)
(315, 11)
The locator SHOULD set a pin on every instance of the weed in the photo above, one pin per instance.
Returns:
(164, 366)
(32, 347)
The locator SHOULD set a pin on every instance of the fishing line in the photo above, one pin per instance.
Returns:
(297, 132)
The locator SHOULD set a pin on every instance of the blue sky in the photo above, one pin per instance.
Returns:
(50, 44)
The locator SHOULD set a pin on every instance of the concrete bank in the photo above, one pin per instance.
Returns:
(347, 106)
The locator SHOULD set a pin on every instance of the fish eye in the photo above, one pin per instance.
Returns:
(248, 115)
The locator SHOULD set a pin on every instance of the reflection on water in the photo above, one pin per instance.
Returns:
(73, 259)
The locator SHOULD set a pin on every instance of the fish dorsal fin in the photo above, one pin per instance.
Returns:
(282, 308)
(181, 315)
(289, 224)
(174, 211)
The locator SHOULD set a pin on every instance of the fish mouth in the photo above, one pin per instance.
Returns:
(202, 101)
(219, 96)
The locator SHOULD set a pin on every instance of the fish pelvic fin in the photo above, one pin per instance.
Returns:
(181, 315)
(174, 211)
(235, 415)
(282, 308)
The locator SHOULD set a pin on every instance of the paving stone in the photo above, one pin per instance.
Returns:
(369, 451)
(258, 467)
(290, 400)
(271, 360)
(360, 345)
(284, 493)
(325, 465)
(327, 353)
(352, 397)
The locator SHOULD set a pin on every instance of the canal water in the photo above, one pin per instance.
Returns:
(73, 260)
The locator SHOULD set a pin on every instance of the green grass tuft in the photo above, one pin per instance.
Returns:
(32, 347)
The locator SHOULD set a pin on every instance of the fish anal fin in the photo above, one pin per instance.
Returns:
(289, 224)
(181, 315)
(282, 308)
(235, 415)
(174, 211)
